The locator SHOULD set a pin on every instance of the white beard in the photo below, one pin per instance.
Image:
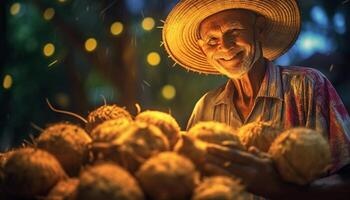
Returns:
(248, 62)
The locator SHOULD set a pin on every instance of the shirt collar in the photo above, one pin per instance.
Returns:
(271, 86)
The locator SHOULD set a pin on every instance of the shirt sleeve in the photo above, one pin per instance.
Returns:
(327, 114)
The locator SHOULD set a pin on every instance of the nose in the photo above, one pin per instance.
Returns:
(228, 42)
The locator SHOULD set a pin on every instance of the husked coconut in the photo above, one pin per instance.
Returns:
(109, 130)
(301, 155)
(64, 190)
(165, 122)
(108, 181)
(31, 172)
(258, 134)
(3, 159)
(105, 112)
(192, 148)
(215, 132)
(138, 143)
(68, 143)
(220, 188)
(168, 176)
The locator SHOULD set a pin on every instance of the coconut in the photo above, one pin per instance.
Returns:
(215, 133)
(31, 172)
(108, 181)
(104, 113)
(220, 188)
(68, 143)
(192, 148)
(109, 130)
(165, 122)
(258, 134)
(139, 142)
(64, 190)
(168, 176)
(301, 155)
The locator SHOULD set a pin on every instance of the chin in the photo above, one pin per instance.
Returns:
(236, 75)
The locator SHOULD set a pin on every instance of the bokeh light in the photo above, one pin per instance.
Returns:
(148, 23)
(7, 82)
(49, 13)
(90, 44)
(117, 28)
(153, 58)
(339, 23)
(168, 92)
(15, 8)
(62, 1)
(49, 49)
(135, 6)
(318, 14)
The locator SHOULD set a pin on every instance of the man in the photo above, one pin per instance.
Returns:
(239, 38)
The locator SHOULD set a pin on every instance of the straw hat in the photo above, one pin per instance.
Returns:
(181, 28)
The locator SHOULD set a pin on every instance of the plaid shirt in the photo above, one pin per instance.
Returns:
(289, 97)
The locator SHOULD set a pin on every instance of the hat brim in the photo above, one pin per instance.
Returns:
(181, 28)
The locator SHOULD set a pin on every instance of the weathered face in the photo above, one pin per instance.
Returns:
(230, 41)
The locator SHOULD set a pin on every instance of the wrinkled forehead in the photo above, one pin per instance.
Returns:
(232, 17)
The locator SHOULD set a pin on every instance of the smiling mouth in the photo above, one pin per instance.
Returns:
(237, 55)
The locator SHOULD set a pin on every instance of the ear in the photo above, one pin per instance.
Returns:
(201, 44)
(260, 27)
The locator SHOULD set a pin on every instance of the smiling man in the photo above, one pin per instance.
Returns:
(240, 39)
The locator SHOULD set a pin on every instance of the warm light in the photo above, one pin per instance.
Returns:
(49, 13)
(117, 28)
(61, 1)
(15, 8)
(168, 92)
(90, 44)
(7, 82)
(148, 23)
(49, 49)
(153, 58)
(62, 99)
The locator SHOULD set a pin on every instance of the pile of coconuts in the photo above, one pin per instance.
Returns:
(117, 156)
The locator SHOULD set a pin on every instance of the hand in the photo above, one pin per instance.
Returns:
(254, 168)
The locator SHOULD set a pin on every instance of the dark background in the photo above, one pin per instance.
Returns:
(77, 80)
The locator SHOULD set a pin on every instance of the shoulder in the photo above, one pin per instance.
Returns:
(296, 75)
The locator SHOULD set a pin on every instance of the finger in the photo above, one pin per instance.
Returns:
(231, 144)
(232, 168)
(212, 169)
(233, 155)
(255, 151)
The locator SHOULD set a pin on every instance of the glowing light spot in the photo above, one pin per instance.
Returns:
(49, 13)
(117, 28)
(169, 92)
(153, 58)
(15, 9)
(90, 44)
(7, 82)
(339, 23)
(318, 14)
(311, 42)
(49, 49)
(135, 6)
(148, 23)
(62, 99)
(62, 1)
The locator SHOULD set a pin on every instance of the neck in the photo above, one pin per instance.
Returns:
(247, 86)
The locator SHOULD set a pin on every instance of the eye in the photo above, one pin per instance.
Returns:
(212, 41)
(235, 31)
